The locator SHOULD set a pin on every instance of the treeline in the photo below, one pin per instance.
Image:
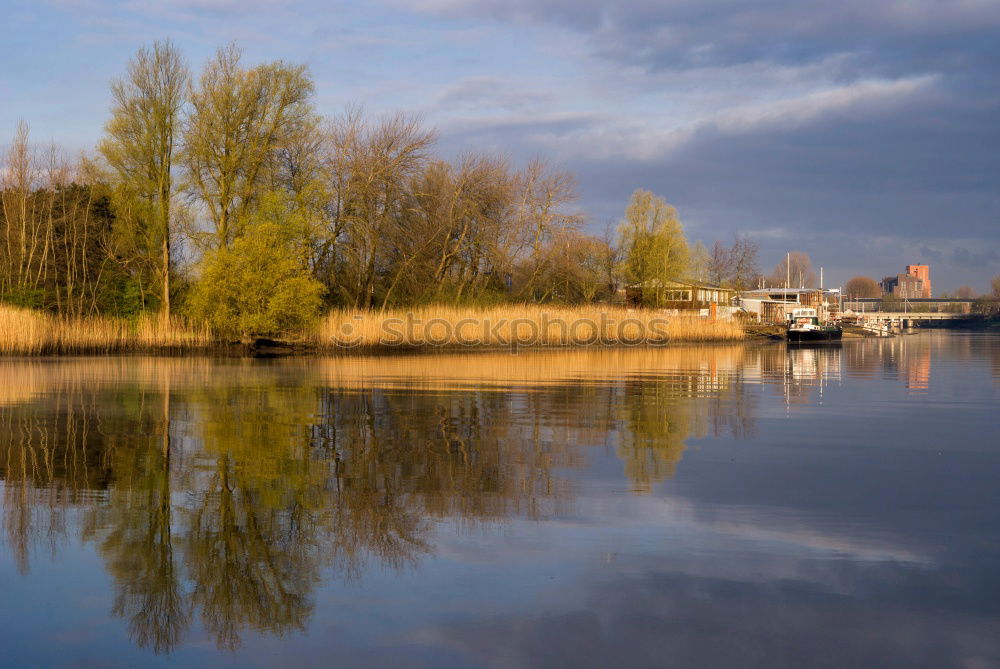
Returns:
(57, 236)
(228, 194)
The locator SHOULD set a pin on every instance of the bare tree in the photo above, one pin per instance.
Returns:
(576, 270)
(370, 166)
(720, 263)
(965, 293)
(744, 268)
(699, 265)
(543, 197)
(796, 269)
(20, 179)
(734, 265)
(862, 286)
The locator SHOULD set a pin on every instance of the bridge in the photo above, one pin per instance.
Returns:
(908, 304)
(910, 316)
(887, 322)
(922, 309)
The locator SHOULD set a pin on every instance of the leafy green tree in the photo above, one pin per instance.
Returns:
(142, 138)
(260, 285)
(653, 242)
(240, 120)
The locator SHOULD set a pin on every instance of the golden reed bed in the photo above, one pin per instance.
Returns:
(27, 332)
(518, 326)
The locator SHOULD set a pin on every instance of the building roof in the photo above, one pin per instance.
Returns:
(789, 291)
(680, 283)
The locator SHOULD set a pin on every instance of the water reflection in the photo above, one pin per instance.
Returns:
(225, 491)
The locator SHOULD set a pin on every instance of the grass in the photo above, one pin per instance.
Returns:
(28, 332)
(518, 326)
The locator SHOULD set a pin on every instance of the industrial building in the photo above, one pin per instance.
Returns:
(915, 283)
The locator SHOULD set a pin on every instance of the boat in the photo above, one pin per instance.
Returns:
(804, 326)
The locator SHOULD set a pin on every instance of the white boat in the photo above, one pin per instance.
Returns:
(804, 326)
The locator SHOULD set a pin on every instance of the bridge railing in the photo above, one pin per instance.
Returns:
(909, 305)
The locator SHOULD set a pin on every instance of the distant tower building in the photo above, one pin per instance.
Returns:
(922, 272)
(903, 286)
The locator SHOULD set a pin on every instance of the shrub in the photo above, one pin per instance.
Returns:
(258, 286)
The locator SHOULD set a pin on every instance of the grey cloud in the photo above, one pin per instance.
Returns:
(921, 174)
(963, 256)
(490, 93)
(693, 33)
(933, 255)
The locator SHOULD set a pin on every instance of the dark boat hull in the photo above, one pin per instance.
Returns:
(814, 335)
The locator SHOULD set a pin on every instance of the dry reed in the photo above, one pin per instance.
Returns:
(27, 332)
(519, 326)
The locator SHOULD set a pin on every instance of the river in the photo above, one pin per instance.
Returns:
(750, 505)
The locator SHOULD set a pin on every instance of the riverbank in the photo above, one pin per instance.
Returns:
(27, 332)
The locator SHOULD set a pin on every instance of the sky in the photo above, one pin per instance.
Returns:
(863, 132)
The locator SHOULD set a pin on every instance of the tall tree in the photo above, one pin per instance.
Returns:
(239, 119)
(652, 239)
(734, 265)
(142, 137)
(862, 286)
(965, 293)
(995, 285)
(543, 194)
(370, 167)
(796, 269)
(20, 179)
(744, 271)
(720, 263)
(700, 263)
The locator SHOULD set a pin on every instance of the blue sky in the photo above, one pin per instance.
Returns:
(865, 133)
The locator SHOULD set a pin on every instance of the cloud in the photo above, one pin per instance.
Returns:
(967, 258)
(933, 255)
(605, 136)
(796, 111)
(692, 33)
(489, 93)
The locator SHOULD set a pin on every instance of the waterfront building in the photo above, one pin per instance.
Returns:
(915, 283)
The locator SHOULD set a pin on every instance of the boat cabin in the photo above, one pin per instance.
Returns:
(804, 316)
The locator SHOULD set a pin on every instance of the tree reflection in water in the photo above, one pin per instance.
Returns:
(224, 491)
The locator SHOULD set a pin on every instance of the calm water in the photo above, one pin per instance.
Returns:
(749, 506)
